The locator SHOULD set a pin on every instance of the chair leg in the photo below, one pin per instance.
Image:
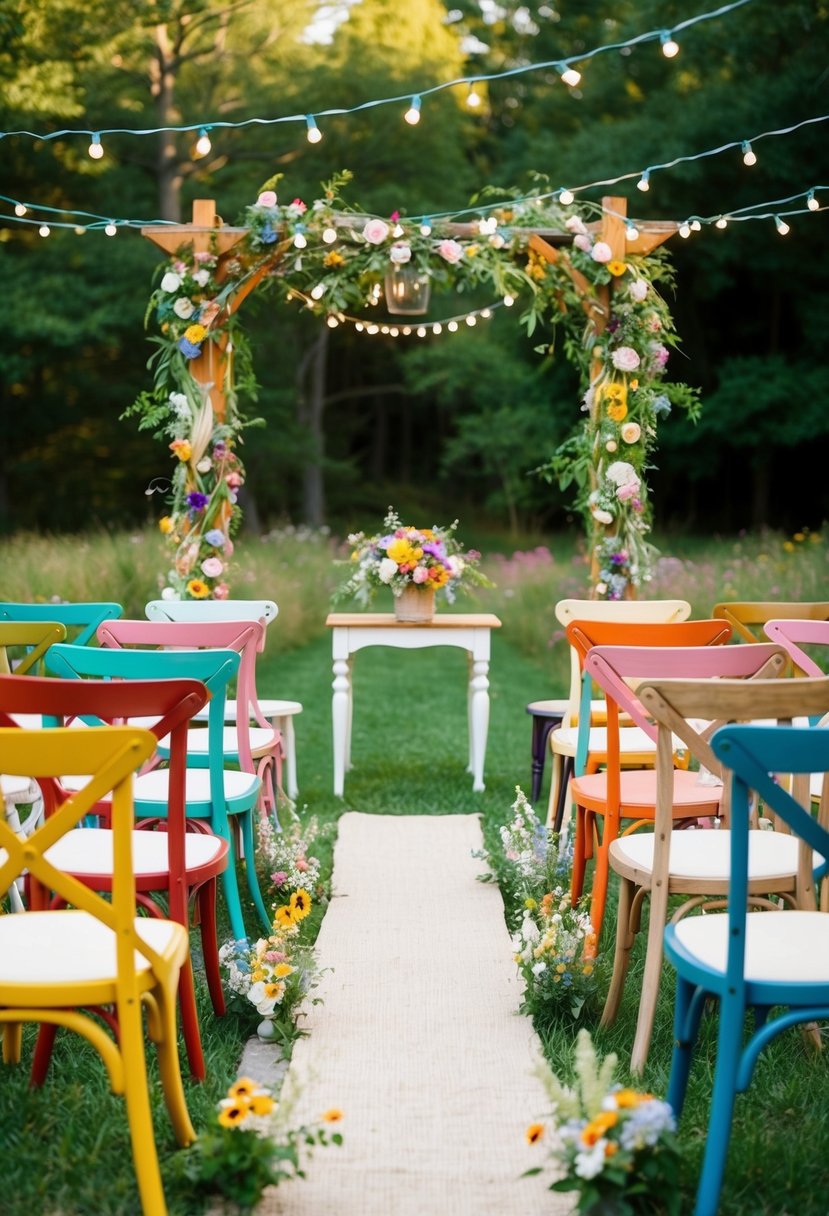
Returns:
(250, 870)
(230, 887)
(649, 994)
(139, 1116)
(625, 937)
(579, 859)
(190, 1022)
(206, 903)
(567, 769)
(45, 1042)
(729, 1050)
(12, 1042)
(686, 1024)
(598, 897)
(555, 788)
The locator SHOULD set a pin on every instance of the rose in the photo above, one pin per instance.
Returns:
(450, 251)
(212, 567)
(631, 432)
(625, 359)
(420, 575)
(601, 252)
(621, 473)
(400, 253)
(215, 537)
(629, 490)
(574, 224)
(375, 232)
(638, 289)
(266, 199)
(202, 277)
(582, 242)
(221, 591)
(171, 282)
(387, 570)
(660, 354)
(184, 308)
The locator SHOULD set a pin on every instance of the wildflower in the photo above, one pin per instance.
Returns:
(616, 268)
(601, 252)
(333, 259)
(167, 524)
(534, 1133)
(171, 282)
(625, 359)
(631, 432)
(242, 1088)
(182, 449)
(400, 253)
(215, 537)
(300, 904)
(333, 1115)
(195, 334)
(197, 501)
(197, 589)
(232, 1114)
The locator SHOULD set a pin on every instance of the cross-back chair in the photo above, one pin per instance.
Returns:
(80, 619)
(215, 794)
(732, 682)
(278, 714)
(753, 960)
(748, 617)
(55, 965)
(182, 866)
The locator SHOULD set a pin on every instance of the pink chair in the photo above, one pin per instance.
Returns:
(794, 635)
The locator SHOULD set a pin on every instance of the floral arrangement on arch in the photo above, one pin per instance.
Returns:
(401, 556)
(614, 1146)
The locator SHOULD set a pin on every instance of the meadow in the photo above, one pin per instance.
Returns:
(409, 744)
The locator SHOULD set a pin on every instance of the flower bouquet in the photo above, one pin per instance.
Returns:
(612, 1145)
(413, 563)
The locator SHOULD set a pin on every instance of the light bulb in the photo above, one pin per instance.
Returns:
(722, 222)
(373, 329)
(397, 231)
(631, 233)
(749, 157)
(437, 328)
(394, 331)
(696, 226)
(44, 230)
(96, 148)
(300, 241)
(110, 229)
(644, 183)
(203, 144)
(684, 231)
(811, 202)
(425, 228)
(569, 76)
(329, 235)
(421, 331)
(486, 314)
(359, 327)
(473, 98)
(471, 320)
(565, 198)
(452, 327)
(412, 115)
(670, 48)
(781, 225)
(318, 292)
(509, 301)
(19, 209)
(313, 134)
(384, 329)
(331, 322)
(79, 231)
(407, 331)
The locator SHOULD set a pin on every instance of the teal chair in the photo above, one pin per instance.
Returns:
(219, 796)
(85, 617)
(753, 960)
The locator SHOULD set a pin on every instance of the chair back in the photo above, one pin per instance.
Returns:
(33, 638)
(83, 617)
(793, 635)
(747, 617)
(213, 610)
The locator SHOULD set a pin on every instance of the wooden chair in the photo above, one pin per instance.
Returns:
(624, 790)
(563, 739)
(56, 965)
(80, 619)
(747, 617)
(732, 682)
(280, 714)
(181, 866)
(793, 635)
(758, 960)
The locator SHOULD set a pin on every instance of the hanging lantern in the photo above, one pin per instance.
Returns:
(407, 290)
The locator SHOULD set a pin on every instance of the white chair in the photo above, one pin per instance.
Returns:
(280, 712)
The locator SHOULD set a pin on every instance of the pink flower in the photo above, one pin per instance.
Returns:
(450, 251)
(638, 289)
(601, 252)
(298, 205)
(301, 864)
(629, 490)
(625, 359)
(420, 575)
(233, 480)
(279, 878)
(574, 224)
(375, 232)
(654, 324)
(221, 591)
(209, 313)
(400, 253)
(660, 354)
(212, 567)
(582, 242)
(394, 217)
(266, 199)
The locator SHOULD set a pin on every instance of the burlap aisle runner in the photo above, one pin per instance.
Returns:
(417, 1039)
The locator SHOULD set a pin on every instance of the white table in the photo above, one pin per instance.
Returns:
(353, 631)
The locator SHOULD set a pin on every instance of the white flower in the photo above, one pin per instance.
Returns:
(601, 516)
(601, 252)
(171, 282)
(574, 224)
(590, 1162)
(386, 570)
(638, 289)
(184, 308)
(264, 1004)
(170, 593)
(529, 929)
(539, 968)
(625, 359)
(456, 564)
(582, 241)
(631, 432)
(400, 253)
(202, 277)
(205, 465)
(621, 473)
(180, 404)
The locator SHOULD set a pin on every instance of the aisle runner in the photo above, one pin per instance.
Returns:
(418, 1039)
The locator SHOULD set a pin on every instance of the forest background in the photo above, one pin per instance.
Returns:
(451, 425)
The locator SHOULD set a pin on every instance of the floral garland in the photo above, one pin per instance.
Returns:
(336, 258)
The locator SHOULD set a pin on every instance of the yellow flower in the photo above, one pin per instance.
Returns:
(195, 334)
(234, 1114)
(530, 904)
(788, 546)
(333, 1115)
(534, 1133)
(628, 1098)
(799, 537)
(283, 969)
(300, 904)
(182, 449)
(261, 1103)
(617, 268)
(333, 259)
(284, 916)
(166, 524)
(598, 1126)
(197, 589)
(242, 1088)
(471, 250)
(404, 553)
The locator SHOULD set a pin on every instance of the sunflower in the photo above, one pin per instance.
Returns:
(534, 1133)
(300, 904)
(198, 589)
(234, 1113)
(284, 917)
(617, 269)
(333, 1115)
(242, 1088)
(261, 1103)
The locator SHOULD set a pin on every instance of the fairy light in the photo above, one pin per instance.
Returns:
(19, 209)
(79, 230)
(749, 156)
(509, 301)
(300, 240)
(318, 292)
(566, 197)
(397, 231)
(421, 331)
(473, 97)
(385, 329)
(407, 329)
(722, 222)
(670, 47)
(781, 225)
(329, 236)
(394, 331)
(452, 327)
(412, 115)
(631, 233)
(486, 313)
(313, 133)
(471, 320)
(44, 230)
(644, 183)
(110, 229)
(203, 144)
(696, 226)
(811, 201)
(331, 322)
(359, 327)
(96, 148)
(425, 228)
(569, 75)
(437, 328)
(373, 329)
(685, 231)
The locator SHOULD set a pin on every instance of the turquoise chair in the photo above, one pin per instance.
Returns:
(85, 617)
(217, 795)
(758, 960)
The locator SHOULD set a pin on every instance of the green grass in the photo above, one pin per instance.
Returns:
(66, 1148)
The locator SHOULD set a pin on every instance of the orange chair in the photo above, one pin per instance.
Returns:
(603, 800)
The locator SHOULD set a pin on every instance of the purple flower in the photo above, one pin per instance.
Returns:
(188, 349)
(219, 450)
(215, 537)
(267, 236)
(197, 501)
(435, 548)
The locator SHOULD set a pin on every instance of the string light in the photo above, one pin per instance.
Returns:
(331, 322)
(437, 328)
(300, 240)
(397, 231)
(203, 144)
(722, 222)
(811, 201)
(631, 233)
(670, 48)
(473, 97)
(425, 227)
(79, 230)
(509, 301)
(329, 235)
(19, 209)
(412, 115)
(110, 229)
(749, 157)
(685, 231)
(644, 183)
(471, 320)
(313, 134)
(421, 331)
(452, 327)
(569, 75)
(781, 225)
(566, 197)
(96, 148)
(696, 226)
(44, 230)
(318, 292)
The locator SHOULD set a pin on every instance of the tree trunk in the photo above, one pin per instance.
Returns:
(311, 377)
(163, 83)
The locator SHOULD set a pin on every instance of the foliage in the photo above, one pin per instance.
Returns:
(400, 556)
(252, 1146)
(616, 1146)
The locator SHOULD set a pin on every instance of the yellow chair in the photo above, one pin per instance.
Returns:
(747, 617)
(55, 965)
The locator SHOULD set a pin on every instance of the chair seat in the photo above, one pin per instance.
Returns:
(551, 708)
(705, 855)
(88, 851)
(197, 741)
(152, 787)
(632, 739)
(270, 708)
(80, 951)
(18, 787)
(789, 947)
(638, 793)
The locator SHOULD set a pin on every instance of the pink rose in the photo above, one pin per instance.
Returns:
(221, 591)
(375, 232)
(660, 354)
(638, 289)
(625, 359)
(266, 199)
(234, 480)
(601, 252)
(629, 490)
(279, 878)
(212, 567)
(420, 575)
(450, 251)
(582, 242)
(301, 864)
(400, 253)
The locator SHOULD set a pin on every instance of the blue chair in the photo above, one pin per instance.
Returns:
(221, 797)
(85, 617)
(757, 960)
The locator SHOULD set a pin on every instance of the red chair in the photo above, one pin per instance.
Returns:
(168, 859)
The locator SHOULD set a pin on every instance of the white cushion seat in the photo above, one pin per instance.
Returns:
(787, 947)
(17, 788)
(89, 851)
(270, 708)
(631, 739)
(706, 853)
(153, 786)
(197, 741)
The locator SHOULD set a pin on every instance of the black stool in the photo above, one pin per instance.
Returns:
(546, 715)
